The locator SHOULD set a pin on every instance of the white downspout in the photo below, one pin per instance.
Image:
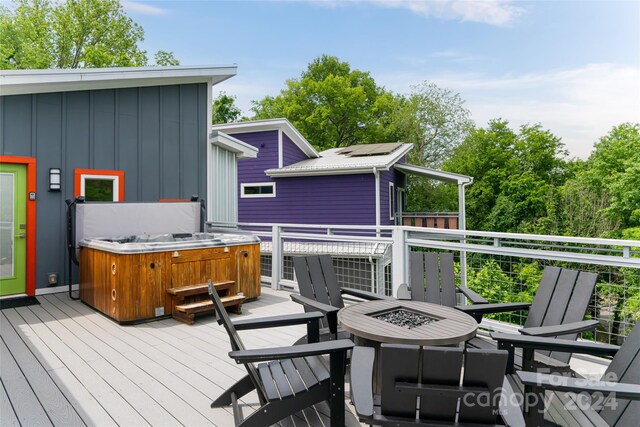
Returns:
(462, 225)
(376, 174)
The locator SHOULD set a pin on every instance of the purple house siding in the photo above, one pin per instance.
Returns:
(252, 170)
(335, 199)
(290, 152)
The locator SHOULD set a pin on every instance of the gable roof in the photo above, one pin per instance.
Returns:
(270, 124)
(17, 82)
(234, 145)
(336, 161)
(453, 178)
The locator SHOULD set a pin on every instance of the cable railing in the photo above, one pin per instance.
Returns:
(503, 267)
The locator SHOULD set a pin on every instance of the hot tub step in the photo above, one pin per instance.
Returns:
(201, 289)
(203, 306)
(187, 301)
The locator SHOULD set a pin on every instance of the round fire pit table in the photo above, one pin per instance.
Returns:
(405, 322)
(428, 324)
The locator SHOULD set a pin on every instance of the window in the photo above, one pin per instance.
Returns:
(392, 206)
(99, 185)
(259, 189)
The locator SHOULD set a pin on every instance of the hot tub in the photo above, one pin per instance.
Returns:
(126, 277)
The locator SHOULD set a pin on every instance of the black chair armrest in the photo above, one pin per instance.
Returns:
(480, 309)
(370, 296)
(362, 359)
(301, 350)
(276, 321)
(329, 311)
(315, 305)
(557, 330)
(472, 296)
(554, 344)
(561, 383)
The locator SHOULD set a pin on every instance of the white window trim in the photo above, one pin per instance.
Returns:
(257, 184)
(392, 208)
(115, 182)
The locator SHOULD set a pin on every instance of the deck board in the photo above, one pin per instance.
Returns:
(83, 368)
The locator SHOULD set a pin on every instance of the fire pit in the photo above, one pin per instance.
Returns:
(405, 318)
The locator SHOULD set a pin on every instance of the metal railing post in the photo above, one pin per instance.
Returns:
(276, 257)
(399, 265)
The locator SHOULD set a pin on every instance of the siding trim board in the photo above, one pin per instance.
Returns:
(30, 162)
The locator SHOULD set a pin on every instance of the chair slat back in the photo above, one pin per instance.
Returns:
(438, 370)
(543, 297)
(317, 280)
(397, 362)
(432, 278)
(577, 307)
(236, 342)
(440, 366)
(483, 368)
(624, 368)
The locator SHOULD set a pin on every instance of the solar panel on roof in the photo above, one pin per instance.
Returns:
(370, 149)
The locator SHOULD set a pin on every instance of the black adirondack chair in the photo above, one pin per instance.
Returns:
(319, 291)
(557, 310)
(432, 374)
(432, 280)
(616, 398)
(294, 378)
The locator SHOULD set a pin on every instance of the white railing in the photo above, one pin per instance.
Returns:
(616, 261)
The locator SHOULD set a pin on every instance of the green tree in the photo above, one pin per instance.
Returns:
(71, 34)
(614, 169)
(516, 176)
(164, 58)
(224, 109)
(434, 120)
(331, 104)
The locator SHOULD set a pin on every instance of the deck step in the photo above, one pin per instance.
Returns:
(202, 288)
(207, 305)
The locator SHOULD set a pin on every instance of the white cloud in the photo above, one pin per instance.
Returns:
(492, 12)
(580, 105)
(143, 8)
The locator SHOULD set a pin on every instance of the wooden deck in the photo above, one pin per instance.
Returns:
(63, 364)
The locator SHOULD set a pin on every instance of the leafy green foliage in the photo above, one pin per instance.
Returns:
(224, 109)
(164, 58)
(331, 104)
(515, 175)
(71, 34)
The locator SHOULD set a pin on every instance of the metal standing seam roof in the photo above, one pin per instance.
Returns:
(332, 161)
(16, 82)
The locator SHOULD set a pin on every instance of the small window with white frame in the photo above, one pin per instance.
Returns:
(258, 189)
(99, 185)
(392, 193)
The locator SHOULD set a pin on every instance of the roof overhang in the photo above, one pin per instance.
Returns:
(234, 145)
(293, 171)
(436, 174)
(271, 124)
(18, 82)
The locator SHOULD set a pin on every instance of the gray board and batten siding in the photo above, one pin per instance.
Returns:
(341, 199)
(157, 135)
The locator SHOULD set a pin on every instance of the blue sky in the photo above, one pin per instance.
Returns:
(572, 66)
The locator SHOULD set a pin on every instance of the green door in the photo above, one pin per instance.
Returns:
(13, 228)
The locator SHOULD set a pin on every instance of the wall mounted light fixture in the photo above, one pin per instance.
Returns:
(54, 179)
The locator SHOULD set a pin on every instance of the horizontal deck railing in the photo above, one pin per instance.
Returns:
(502, 267)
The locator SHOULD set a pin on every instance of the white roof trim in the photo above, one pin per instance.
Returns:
(435, 174)
(17, 82)
(271, 124)
(307, 168)
(229, 143)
